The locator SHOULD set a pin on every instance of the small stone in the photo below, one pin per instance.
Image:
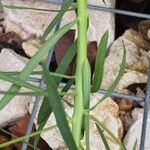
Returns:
(137, 114)
(137, 62)
(31, 46)
(11, 40)
(138, 39)
(134, 133)
(124, 104)
(143, 28)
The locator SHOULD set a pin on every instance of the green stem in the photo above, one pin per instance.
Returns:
(81, 57)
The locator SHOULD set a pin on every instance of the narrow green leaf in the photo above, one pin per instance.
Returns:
(43, 115)
(103, 137)
(52, 24)
(62, 67)
(19, 82)
(23, 93)
(115, 139)
(55, 101)
(13, 136)
(45, 111)
(66, 88)
(31, 65)
(5, 144)
(99, 63)
(66, 60)
(30, 8)
(68, 85)
(115, 83)
(40, 73)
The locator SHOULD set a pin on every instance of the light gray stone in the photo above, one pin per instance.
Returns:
(31, 46)
(134, 133)
(29, 24)
(107, 113)
(137, 61)
(18, 107)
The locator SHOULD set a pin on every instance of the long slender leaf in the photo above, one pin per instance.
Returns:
(55, 102)
(19, 82)
(34, 61)
(29, 8)
(52, 24)
(99, 63)
(5, 144)
(42, 93)
(66, 60)
(13, 136)
(60, 69)
(40, 73)
(43, 115)
(45, 109)
(115, 83)
(103, 137)
(68, 85)
(115, 139)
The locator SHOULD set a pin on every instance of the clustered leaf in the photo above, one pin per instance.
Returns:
(52, 102)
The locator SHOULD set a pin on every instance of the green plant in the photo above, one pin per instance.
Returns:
(83, 88)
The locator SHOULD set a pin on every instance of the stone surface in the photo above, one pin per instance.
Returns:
(107, 112)
(135, 131)
(126, 119)
(31, 46)
(18, 107)
(124, 104)
(136, 63)
(29, 23)
(143, 28)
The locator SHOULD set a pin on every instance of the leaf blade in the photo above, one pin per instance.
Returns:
(99, 64)
(55, 102)
(52, 24)
(34, 61)
(43, 115)
(115, 83)
(102, 137)
(115, 139)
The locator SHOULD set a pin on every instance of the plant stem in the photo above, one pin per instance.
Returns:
(81, 57)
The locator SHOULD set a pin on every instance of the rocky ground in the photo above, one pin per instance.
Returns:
(20, 35)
